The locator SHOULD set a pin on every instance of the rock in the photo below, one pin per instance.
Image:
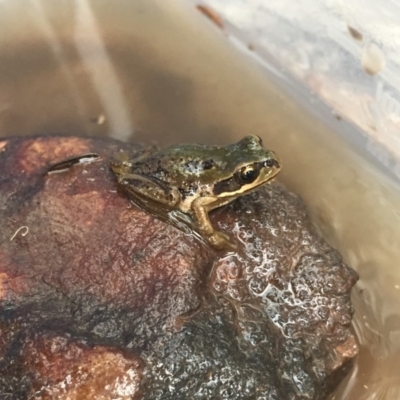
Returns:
(87, 279)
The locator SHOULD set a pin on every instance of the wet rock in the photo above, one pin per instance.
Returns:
(62, 369)
(87, 280)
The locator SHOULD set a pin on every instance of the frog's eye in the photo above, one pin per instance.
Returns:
(248, 174)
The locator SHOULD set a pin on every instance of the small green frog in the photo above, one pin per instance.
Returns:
(195, 179)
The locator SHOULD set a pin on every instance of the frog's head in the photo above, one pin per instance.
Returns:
(249, 166)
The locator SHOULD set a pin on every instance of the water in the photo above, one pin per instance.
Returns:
(160, 71)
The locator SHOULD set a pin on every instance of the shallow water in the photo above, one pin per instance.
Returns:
(160, 71)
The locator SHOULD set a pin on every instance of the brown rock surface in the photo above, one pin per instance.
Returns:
(126, 306)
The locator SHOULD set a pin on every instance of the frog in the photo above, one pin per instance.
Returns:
(194, 179)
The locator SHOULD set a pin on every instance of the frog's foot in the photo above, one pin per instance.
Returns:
(220, 241)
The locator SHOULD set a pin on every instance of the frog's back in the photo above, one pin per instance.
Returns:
(182, 165)
(200, 166)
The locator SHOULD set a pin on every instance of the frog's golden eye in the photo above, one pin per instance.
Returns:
(248, 174)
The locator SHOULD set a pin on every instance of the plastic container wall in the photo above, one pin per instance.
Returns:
(341, 60)
(346, 53)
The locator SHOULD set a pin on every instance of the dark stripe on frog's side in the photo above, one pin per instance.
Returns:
(228, 185)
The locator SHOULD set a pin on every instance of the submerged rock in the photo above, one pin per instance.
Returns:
(101, 300)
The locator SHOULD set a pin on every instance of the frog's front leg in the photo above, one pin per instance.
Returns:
(143, 187)
(217, 239)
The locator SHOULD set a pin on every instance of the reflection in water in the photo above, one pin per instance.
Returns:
(56, 47)
(101, 71)
(164, 66)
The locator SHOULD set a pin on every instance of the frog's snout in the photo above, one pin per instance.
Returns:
(273, 161)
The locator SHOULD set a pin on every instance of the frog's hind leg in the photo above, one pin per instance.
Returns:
(143, 187)
(123, 161)
(146, 153)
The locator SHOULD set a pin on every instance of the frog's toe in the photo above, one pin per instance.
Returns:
(221, 241)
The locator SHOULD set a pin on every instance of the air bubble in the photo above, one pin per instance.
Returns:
(373, 59)
(287, 358)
